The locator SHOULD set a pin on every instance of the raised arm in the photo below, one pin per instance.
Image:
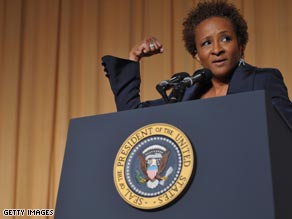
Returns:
(124, 75)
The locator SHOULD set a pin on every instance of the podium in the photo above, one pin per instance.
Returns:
(243, 161)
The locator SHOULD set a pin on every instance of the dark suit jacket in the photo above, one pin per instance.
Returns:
(124, 77)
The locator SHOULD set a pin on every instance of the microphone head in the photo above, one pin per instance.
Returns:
(174, 79)
(179, 76)
(204, 73)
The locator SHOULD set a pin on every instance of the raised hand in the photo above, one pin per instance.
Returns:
(148, 47)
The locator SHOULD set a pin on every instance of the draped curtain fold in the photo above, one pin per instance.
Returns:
(50, 72)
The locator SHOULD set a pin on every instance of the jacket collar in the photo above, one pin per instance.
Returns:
(242, 79)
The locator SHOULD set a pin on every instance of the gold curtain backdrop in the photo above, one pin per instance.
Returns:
(50, 71)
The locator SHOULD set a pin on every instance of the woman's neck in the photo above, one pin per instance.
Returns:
(219, 88)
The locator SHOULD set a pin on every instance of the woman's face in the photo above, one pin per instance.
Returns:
(217, 46)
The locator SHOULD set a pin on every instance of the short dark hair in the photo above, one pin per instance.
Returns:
(208, 9)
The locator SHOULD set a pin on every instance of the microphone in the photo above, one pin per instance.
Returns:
(179, 89)
(199, 75)
(166, 84)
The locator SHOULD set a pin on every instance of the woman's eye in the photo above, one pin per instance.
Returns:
(206, 43)
(226, 39)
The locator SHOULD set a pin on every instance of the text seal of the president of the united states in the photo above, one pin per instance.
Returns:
(153, 166)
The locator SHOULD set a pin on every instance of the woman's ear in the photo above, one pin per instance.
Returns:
(198, 58)
(241, 48)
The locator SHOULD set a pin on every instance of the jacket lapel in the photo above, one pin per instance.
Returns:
(242, 79)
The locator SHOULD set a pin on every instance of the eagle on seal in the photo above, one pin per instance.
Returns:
(153, 167)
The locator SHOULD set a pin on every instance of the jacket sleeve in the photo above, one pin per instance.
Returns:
(124, 78)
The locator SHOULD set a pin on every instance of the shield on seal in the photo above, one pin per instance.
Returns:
(152, 169)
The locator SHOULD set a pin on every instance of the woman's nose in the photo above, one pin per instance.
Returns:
(217, 48)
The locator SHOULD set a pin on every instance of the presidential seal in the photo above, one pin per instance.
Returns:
(153, 166)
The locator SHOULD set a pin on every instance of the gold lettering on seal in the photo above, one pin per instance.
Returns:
(183, 175)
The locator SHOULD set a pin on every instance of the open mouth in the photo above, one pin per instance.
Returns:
(219, 61)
